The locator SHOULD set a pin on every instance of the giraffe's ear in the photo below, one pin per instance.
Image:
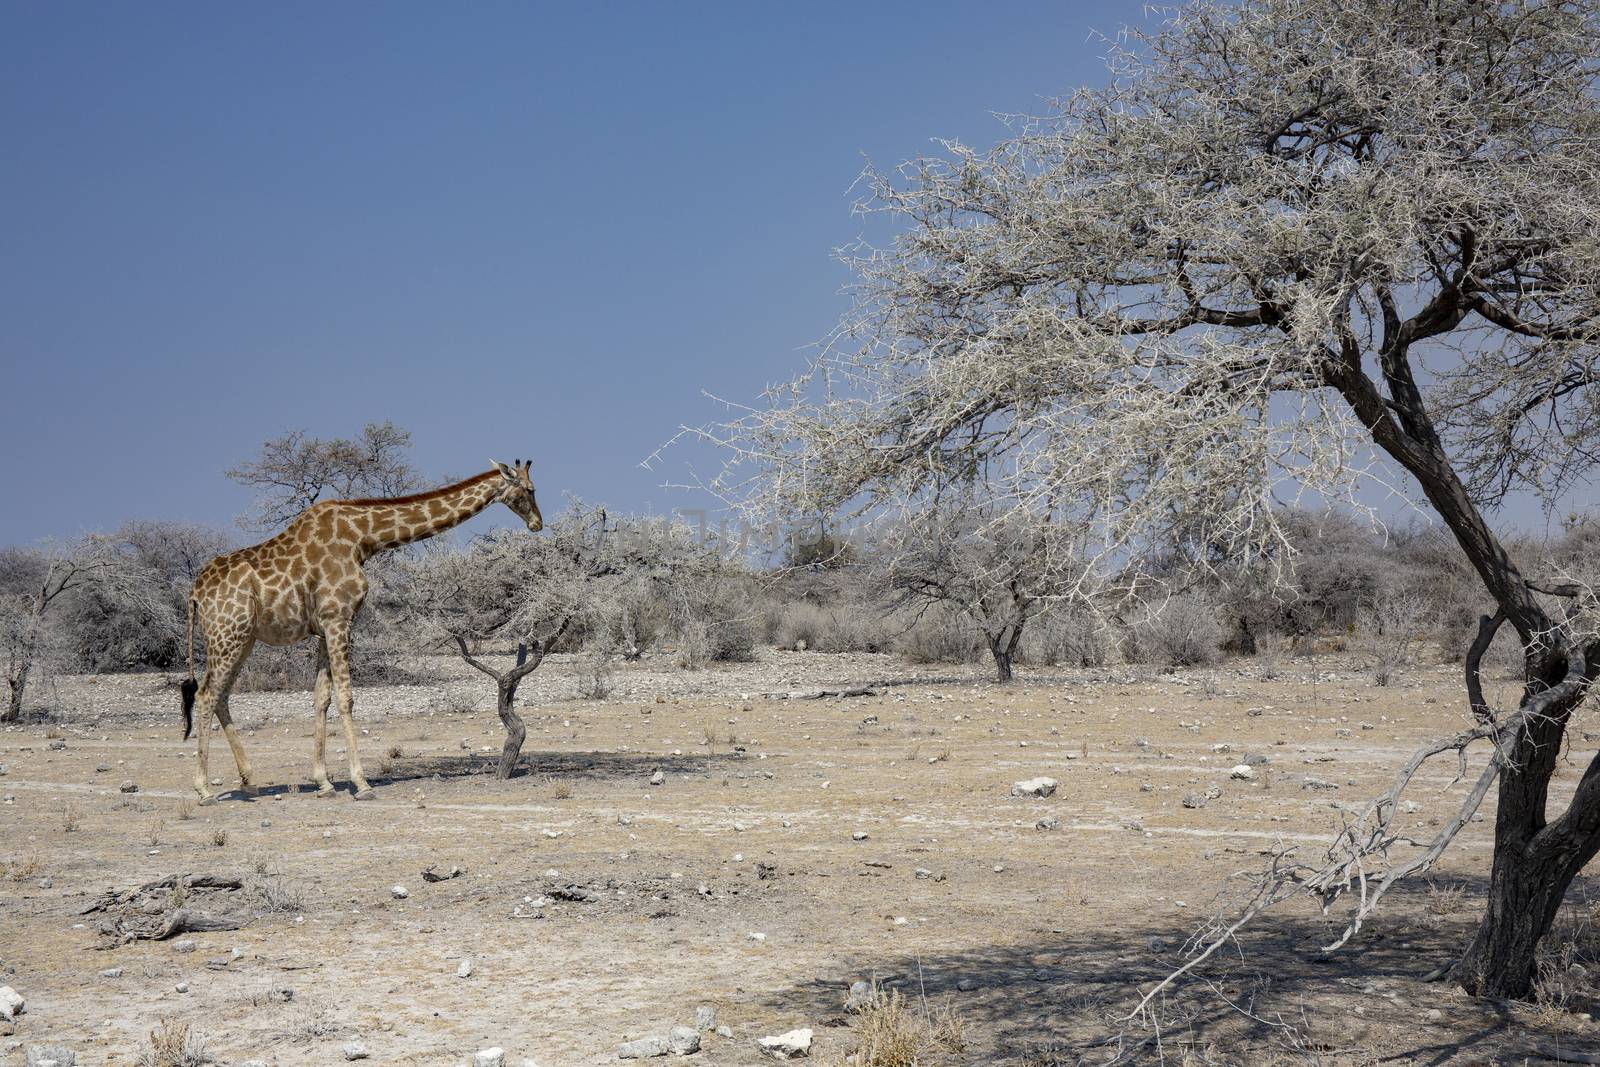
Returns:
(505, 472)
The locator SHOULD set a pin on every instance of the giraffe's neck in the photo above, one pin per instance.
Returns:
(386, 524)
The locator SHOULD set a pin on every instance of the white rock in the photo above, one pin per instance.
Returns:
(185, 944)
(789, 1046)
(489, 1057)
(1034, 787)
(399, 892)
(658, 778)
(683, 1041)
(11, 1003)
(643, 1048)
(465, 969)
(355, 1050)
(1243, 772)
(45, 1055)
(705, 1017)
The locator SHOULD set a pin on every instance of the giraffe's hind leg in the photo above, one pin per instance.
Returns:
(322, 697)
(226, 651)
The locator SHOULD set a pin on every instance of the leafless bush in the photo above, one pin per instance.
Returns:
(845, 627)
(1393, 623)
(598, 678)
(1071, 637)
(1271, 650)
(1182, 632)
(939, 635)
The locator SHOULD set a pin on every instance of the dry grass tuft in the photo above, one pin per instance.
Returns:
(184, 811)
(21, 870)
(71, 818)
(894, 1034)
(219, 838)
(173, 1044)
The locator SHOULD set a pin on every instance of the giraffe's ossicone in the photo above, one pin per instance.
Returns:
(307, 582)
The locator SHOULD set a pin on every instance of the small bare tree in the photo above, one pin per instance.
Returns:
(527, 592)
(295, 470)
(1000, 568)
(35, 586)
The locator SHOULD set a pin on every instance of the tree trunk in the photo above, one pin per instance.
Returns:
(17, 683)
(1534, 864)
(516, 732)
(1004, 646)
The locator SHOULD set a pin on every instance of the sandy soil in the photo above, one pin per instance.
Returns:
(753, 832)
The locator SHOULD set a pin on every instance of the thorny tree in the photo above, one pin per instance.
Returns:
(996, 566)
(34, 586)
(1288, 232)
(294, 471)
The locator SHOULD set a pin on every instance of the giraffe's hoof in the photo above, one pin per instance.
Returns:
(207, 799)
(248, 791)
(364, 794)
(325, 792)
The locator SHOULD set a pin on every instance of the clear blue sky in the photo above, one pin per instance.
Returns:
(516, 229)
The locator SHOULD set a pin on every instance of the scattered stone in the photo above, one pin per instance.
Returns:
(790, 1046)
(967, 985)
(705, 1017)
(859, 835)
(724, 1031)
(1434, 1015)
(355, 1050)
(129, 786)
(399, 892)
(184, 944)
(489, 1057)
(11, 1003)
(658, 778)
(181, 987)
(44, 1055)
(1243, 773)
(465, 968)
(1255, 759)
(860, 998)
(1193, 800)
(57, 746)
(1316, 783)
(266, 824)
(111, 972)
(1033, 787)
(923, 873)
(1578, 970)
(683, 1041)
(1146, 787)
(1049, 822)
(643, 1048)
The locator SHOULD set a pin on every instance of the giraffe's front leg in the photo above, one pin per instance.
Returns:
(337, 639)
(323, 696)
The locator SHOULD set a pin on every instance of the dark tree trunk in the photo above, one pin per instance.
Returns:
(516, 732)
(17, 684)
(1004, 647)
(1534, 862)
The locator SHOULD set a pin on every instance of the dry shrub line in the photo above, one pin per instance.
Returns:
(1371, 835)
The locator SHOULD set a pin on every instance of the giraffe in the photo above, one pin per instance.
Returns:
(307, 582)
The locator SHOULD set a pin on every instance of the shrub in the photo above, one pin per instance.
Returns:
(1184, 632)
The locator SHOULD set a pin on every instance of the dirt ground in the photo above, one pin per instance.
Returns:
(742, 881)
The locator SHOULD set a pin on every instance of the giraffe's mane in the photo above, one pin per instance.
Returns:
(417, 498)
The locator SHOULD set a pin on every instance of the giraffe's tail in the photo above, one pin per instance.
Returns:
(189, 686)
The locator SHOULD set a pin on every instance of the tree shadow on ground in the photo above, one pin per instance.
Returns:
(584, 765)
(1274, 998)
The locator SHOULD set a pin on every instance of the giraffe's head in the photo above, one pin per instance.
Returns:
(517, 492)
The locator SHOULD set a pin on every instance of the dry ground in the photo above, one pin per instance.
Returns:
(751, 833)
